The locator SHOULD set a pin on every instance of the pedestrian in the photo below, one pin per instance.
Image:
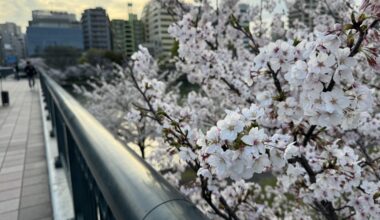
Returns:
(17, 69)
(31, 72)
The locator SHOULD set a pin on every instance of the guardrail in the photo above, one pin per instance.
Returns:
(6, 71)
(107, 179)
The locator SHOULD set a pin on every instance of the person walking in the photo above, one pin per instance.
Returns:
(17, 71)
(30, 72)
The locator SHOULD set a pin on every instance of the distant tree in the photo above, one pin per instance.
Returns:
(101, 57)
(61, 57)
(115, 57)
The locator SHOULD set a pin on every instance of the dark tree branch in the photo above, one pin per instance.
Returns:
(308, 135)
(305, 164)
(206, 195)
(275, 79)
(146, 99)
(369, 160)
(232, 87)
(362, 35)
(235, 24)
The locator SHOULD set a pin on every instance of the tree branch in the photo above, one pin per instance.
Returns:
(146, 99)
(232, 87)
(235, 24)
(275, 79)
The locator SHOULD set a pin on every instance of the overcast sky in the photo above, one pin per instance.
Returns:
(20, 11)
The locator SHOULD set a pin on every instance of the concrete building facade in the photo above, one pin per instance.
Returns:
(119, 37)
(52, 28)
(12, 43)
(127, 35)
(96, 29)
(156, 22)
(302, 12)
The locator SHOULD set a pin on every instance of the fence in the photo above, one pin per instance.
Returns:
(107, 179)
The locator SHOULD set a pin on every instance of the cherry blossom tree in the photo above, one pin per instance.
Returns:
(302, 111)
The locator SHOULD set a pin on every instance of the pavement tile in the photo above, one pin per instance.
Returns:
(10, 176)
(9, 215)
(10, 194)
(40, 179)
(9, 205)
(16, 152)
(34, 189)
(34, 159)
(13, 163)
(10, 185)
(35, 172)
(11, 169)
(35, 212)
(15, 157)
(35, 199)
(35, 165)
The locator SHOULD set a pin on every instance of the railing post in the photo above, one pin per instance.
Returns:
(82, 184)
(58, 129)
(53, 118)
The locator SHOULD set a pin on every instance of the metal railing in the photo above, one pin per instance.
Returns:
(107, 179)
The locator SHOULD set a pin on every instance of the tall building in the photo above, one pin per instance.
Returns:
(127, 35)
(156, 22)
(12, 44)
(137, 30)
(119, 36)
(243, 10)
(96, 29)
(52, 28)
(301, 12)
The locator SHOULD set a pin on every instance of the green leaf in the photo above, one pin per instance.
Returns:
(296, 41)
(347, 27)
(361, 18)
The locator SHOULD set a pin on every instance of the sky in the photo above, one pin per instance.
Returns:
(20, 11)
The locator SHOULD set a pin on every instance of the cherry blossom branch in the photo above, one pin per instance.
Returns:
(305, 164)
(275, 79)
(141, 141)
(235, 24)
(308, 135)
(369, 160)
(206, 195)
(182, 139)
(345, 207)
(232, 87)
(324, 206)
(362, 35)
(354, 51)
(146, 99)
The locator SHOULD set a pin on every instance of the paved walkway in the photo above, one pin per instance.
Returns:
(24, 185)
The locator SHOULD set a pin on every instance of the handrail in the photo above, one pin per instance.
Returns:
(107, 179)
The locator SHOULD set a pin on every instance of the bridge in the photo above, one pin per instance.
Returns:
(58, 162)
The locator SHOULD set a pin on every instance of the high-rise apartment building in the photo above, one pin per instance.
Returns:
(156, 22)
(127, 35)
(52, 28)
(299, 13)
(12, 44)
(302, 12)
(96, 29)
(119, 36)
(243, 10)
